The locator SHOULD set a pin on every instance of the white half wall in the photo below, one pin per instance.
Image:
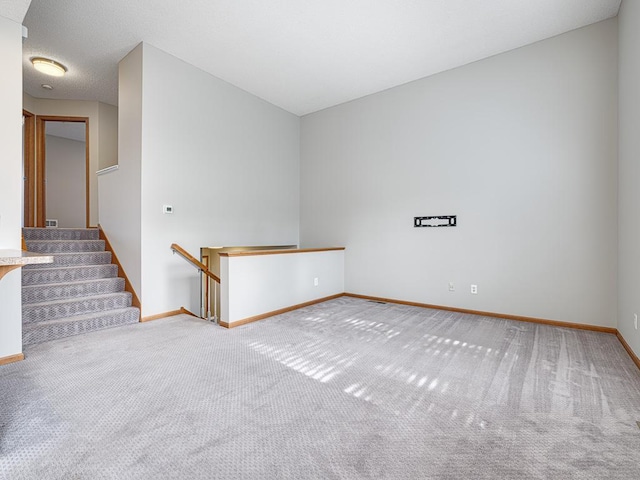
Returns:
(66, 181)
(258, 284)
(629, 175)
(10, 182)
(522, 147)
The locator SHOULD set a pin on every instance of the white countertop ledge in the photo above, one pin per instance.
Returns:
(10, 258)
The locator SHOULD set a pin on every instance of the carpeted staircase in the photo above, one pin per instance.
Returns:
(79, 293)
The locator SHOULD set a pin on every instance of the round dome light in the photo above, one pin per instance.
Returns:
(48, 66)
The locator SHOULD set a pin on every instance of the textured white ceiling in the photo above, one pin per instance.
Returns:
(14, 9)
(302, 55)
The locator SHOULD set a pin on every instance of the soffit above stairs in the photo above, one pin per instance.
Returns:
(301, 55)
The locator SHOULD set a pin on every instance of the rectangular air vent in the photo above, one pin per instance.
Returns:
(437, 221)
(51, 223)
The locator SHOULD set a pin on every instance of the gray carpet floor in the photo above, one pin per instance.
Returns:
(347, 389)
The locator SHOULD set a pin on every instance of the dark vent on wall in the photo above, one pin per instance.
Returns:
(436, 221)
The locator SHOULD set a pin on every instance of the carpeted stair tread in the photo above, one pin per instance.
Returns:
(85, 258)
(40, 312)
(80, 292)
(60, 233)
(65, 327)
(65, 246)
(48, 275)
(58, 291)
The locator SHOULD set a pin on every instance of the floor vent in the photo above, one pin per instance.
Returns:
(51, 223)
(376, 301)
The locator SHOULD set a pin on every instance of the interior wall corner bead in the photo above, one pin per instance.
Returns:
(436, 221)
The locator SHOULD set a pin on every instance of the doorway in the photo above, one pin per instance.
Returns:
(62, 171)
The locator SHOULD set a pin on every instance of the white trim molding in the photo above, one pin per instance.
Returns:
(105, 170)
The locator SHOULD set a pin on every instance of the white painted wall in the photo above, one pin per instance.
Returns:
(629, 173)
(226, 161)
(10, 182)
(254, 285)
(30, 103)
(66, 181)
(108, 135)
(521, 146)
(120, 191)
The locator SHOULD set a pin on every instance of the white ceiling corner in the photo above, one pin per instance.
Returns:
(14, 9)
(302, 55)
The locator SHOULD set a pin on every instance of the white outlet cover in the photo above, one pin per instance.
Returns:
(167, 209)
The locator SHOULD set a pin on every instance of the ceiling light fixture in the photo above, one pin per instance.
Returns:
(48, 66)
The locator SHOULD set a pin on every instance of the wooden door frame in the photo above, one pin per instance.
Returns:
(29, 167)
(41, 141)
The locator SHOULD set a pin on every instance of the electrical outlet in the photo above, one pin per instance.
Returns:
(315, 282)
(452, 287)
(167, 209)
(474, 289)
(635, 320)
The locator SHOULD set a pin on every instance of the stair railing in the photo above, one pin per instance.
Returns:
(208, 275)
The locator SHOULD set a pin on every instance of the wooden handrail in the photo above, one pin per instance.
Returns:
(197, 263)
(283, 251)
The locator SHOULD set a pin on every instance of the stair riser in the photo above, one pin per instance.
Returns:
(48, 293)
(60, 234)
(44, 332)
(39, 276)
(42, 313)
(79, 293)
(66, 246)
(66, 259)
